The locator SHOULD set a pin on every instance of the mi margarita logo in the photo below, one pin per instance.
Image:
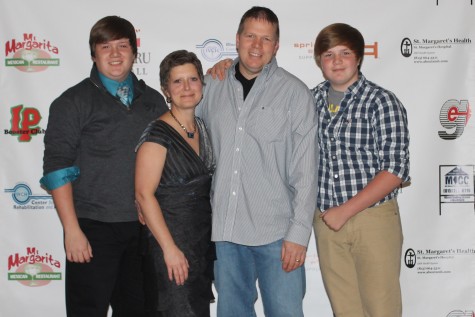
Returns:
(29, 54)
(33, 268)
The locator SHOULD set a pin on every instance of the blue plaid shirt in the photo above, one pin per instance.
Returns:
(367, 135)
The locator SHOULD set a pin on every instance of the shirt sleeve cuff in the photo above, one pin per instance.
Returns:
(299, 235)
(59, 178)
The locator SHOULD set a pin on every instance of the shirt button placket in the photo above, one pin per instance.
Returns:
(235, 176)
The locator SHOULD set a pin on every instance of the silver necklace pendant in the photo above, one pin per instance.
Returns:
(189, 134)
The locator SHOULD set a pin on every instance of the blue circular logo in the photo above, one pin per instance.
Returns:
(212, 50)
(21, 194)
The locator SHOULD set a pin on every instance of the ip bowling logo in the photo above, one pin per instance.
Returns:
(24, 123)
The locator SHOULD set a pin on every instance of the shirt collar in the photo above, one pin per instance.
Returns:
(268, 69)
(112, 85)
(353, 89)
(357, 85)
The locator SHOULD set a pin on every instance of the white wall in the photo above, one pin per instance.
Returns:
(441, 68)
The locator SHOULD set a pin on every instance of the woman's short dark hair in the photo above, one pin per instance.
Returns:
(260, 13)
(112, 28)
(178, 58)
(339, 34)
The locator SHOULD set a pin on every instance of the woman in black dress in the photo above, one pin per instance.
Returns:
(172, 183)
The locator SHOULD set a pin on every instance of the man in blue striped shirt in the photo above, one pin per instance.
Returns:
(364, 158)
(262, 125)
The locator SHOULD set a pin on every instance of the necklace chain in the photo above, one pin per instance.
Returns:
(189, 134)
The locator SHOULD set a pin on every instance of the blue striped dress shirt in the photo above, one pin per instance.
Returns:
(264, 186)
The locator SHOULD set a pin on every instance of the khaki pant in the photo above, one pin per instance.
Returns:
(361, 263)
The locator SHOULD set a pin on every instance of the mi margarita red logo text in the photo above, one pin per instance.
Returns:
(29, 54)
(33, 268)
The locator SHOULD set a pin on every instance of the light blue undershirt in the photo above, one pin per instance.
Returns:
(112, 85)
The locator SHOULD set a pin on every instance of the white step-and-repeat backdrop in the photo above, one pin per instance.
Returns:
(423, 50)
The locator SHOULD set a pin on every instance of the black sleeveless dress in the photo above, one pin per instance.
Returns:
(183, 195)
